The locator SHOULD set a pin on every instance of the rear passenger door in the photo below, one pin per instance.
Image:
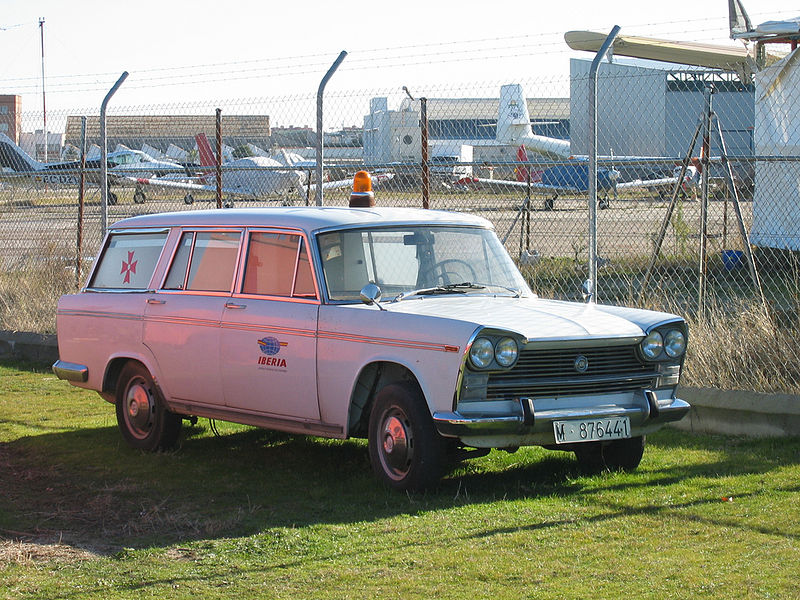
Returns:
(269, 329)
(182, 319)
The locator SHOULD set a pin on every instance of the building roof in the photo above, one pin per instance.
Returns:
(487, 108)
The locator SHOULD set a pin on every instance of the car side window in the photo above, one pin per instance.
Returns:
(205, 261)
(128, 261)
(278, 265)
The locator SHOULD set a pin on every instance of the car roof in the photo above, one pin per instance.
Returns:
(308, 218)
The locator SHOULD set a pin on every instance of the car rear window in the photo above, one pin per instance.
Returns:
(128, 261)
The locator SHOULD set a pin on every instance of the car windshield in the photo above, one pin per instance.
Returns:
(417, 259)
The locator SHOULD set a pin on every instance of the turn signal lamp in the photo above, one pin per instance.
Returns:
(362, 195)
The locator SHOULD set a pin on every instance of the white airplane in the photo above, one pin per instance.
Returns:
(744, 61)
(255, 177)
(17, 164)
(571, 175)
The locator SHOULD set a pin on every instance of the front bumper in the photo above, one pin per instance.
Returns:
(536, 427)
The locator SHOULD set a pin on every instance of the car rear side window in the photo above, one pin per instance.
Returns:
(278, 265)
(128, 261)
(205, 261)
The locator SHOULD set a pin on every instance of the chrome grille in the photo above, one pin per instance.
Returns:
(552, 372)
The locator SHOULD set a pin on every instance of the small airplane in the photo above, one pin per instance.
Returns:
(17, 164)
(744, 61)
(255, 177)
(568, 178)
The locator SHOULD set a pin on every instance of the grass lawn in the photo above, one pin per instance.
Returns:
(256, 514)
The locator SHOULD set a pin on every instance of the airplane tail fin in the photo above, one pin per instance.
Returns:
(207, 156)
(513, 118)
(514, 126)
(15, 158)
(738, 19)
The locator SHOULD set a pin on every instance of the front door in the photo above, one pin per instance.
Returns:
(268, 335)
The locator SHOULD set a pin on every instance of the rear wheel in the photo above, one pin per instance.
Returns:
(406, 451)
(617, 455)
(142, 418)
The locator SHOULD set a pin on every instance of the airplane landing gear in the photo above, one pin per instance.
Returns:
(550, 203)
(188, 199)
(112, 198)
(139, 197)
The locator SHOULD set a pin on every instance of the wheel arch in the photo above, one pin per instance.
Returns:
(114, 368)
(372, 377)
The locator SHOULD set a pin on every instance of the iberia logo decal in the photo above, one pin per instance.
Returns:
(270, 346)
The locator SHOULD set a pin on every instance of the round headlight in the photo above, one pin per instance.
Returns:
(506, 352)
(674, 343)
(652, 345)
(481, 353)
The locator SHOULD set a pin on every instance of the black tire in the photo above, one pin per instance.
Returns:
(618, 455)
(405, 450)
(139, 197)
(142, 418)
(188, 199)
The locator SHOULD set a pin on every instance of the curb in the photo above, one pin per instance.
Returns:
(735, 412)
(33, 347)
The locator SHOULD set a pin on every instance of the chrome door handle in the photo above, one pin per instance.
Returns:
(156, 301)
(234, 305)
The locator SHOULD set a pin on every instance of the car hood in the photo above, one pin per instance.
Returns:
(537, 319)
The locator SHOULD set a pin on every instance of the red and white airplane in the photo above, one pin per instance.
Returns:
(255, 177)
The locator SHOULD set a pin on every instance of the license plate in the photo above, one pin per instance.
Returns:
(592, 430)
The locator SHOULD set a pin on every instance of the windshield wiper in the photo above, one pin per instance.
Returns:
(450, 288)
(430, 291)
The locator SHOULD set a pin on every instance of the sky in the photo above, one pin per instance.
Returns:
(180, 52)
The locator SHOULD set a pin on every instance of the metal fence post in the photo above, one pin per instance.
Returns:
(320, 92)
(104, 155)
(218, 165)
(81, 191)
(426, 169)
(592, 288)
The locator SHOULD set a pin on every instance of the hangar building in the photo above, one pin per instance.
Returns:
(647, 108)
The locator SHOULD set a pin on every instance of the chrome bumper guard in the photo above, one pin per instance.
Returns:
(454, 424)
(71, 371)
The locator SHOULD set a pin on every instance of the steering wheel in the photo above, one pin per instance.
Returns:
(442, 275)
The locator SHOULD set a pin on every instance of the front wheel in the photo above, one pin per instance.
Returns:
(617, 455)
(405, 450)
(142, 418)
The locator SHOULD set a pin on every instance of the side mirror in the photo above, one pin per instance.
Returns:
(587, 290)
(371, 294)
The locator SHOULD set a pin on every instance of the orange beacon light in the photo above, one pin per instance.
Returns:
(362, 196)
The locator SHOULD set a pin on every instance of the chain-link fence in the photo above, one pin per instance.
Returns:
(690, 163)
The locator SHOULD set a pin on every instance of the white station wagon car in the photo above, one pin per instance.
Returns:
(412, 328)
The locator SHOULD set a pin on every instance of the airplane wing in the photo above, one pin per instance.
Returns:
(249, 193)
(536, 186)
(728, 58)
(604, 184)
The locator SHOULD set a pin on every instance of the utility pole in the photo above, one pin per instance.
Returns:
(44, 105)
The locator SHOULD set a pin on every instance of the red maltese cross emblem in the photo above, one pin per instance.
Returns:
(128, 267)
